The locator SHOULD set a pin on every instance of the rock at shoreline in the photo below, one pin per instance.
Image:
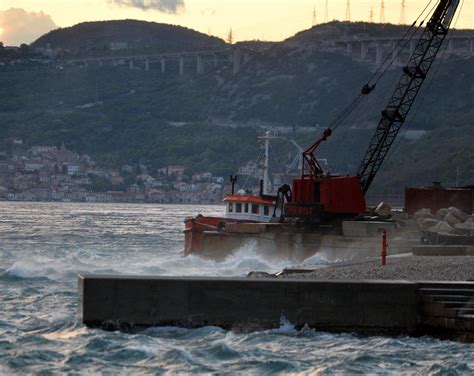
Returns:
(459, 214)
(427, 223)
(425, 213)
(442, 227)
(452, 219)
(441, 213)
(383, 210)
(261, 275)
(466, 228)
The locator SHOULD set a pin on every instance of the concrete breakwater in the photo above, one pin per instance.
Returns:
(365, 307)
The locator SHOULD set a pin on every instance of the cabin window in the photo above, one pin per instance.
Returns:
(254, 209)
(246, 208)
(231, 207)
(266, 211)
(238, 208)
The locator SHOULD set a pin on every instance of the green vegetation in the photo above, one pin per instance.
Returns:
(210, 122)
(101, 184)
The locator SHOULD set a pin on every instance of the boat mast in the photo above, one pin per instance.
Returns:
(266, 157)
(265, 162)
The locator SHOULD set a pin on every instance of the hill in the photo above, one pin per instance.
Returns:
(131, 35)
(209, 122)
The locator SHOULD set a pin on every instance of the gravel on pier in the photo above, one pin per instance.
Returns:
(413, 268)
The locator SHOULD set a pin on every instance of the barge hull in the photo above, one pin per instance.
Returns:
(282, 242)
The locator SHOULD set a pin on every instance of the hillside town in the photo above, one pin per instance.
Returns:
(52, 173)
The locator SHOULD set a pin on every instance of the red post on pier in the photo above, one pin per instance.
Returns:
(384, 247)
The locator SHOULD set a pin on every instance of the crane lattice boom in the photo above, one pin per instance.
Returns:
(414, 74)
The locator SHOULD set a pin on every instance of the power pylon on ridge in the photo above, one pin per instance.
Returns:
(371, 15)
(315, 20)
(348, 10)
(403, 13)
(382, 12)
(326, 12)
(230, 37)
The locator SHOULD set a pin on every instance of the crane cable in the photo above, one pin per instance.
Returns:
(403, 39)
(443, 54)
(275, 157)
(350, 108)
(253, 170)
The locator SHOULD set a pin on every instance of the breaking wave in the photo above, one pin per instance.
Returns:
(239, 263)
(25, 270)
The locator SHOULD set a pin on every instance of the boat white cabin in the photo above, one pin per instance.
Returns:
(247, 207)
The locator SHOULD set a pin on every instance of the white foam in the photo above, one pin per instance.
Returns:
(165, 330)
(286, 327)
(247, 258)
(317, 259)
(239, 263)
(151, 353)
(21, 270)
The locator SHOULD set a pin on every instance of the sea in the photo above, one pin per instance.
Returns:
(44, 246)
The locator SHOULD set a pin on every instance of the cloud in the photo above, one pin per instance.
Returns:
(18, 26)
(165, 6)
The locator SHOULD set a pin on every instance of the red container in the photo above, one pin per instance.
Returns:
(304, 191)
(342, 195)
(436, 198)
(337, 195)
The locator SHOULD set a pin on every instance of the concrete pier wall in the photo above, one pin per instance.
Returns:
(354, 306)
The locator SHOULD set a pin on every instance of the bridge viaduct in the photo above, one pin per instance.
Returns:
(372, 51)
(203, 59)
(375, 50)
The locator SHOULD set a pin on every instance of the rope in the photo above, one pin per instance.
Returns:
(349, 150)
(337, 122)
(400, 41)
(431, 80)
(394, 58)
(278, 163)
(253, 170)
(349, 109)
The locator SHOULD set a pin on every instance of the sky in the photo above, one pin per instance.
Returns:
(22, 21)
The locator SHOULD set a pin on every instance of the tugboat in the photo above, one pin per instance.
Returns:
(241, 207)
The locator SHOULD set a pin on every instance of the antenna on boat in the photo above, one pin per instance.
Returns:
(233, 180)
(266, 156)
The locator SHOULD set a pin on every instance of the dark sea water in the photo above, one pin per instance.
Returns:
(44, 246)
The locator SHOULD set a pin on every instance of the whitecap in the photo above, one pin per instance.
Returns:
(147, 351)
(286, 327)
(165, 331)
(318, 259)
(21, 270)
